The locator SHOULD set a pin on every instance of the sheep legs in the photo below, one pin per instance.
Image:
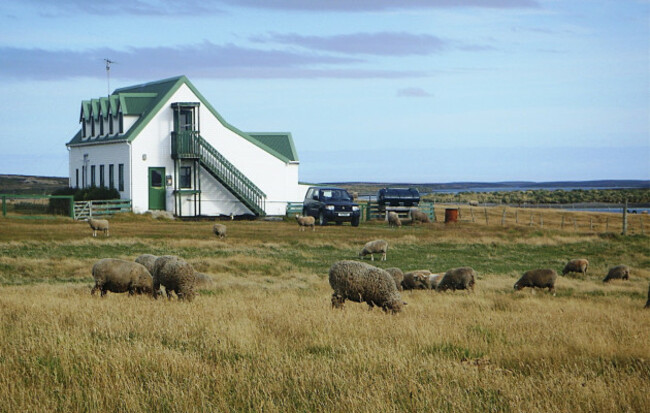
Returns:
(337, 301)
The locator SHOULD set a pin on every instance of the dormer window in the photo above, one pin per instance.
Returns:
(110, 124)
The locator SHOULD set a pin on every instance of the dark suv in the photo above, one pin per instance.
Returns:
(330, 204)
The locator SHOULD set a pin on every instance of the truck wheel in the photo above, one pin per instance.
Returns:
(321, 219)
(355, 222)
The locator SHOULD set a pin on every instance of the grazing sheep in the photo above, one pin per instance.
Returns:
(462, 278)
(418, 216)
(416, 280)
(374, 247)
(147, 260)
(647, 304)
(119, 276)
(176, 275)
(306, 221)
(393, 219)
(617, 273)
(98, 225)
(434, 280)
(579, 265)
(220, 230)
(542, 278)
(203, 280)
(397, 275)
(361, 282)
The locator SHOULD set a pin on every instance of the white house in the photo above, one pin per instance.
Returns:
(162, 145)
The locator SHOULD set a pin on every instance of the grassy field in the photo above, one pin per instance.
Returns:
(264, 338)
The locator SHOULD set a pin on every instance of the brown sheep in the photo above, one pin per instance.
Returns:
(119, 276)
(416, 280)
(462, 278)
(176, 275)
(418, 216)
(306, 221)
(619, 272)
(578, 265)
(542, 278)
(361, 282)
(397, 275)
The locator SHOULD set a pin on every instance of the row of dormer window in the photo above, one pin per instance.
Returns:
(104, 126)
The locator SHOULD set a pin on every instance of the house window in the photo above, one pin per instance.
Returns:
(101, 126)
(110, 124)
(76, 178)
(84, 171)
(186, 177)
(92, 127)
(121, 123)
(120, 172)
(101, 176)
(83, 129)
(92, 175)
(111, 176)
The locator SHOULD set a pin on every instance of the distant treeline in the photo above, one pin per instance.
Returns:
(545, 196)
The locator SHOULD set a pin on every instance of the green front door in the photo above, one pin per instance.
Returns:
(157, 189)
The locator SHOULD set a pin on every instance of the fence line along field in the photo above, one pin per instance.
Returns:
(263, 335)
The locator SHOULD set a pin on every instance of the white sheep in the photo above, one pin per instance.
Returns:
(306, 221)
(374, 247)
(393, 219)
(98, 224)
(220, 230)
(418, 216)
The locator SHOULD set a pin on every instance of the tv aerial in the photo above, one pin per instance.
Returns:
(108, 74)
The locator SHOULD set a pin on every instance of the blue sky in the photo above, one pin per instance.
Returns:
(372, 90)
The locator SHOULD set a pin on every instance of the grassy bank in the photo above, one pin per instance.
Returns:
(264, 337)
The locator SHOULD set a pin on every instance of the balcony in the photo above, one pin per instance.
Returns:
(185, 145)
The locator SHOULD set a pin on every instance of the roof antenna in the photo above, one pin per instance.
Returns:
(108, 75)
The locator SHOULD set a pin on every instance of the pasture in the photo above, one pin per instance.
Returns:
(264, 336)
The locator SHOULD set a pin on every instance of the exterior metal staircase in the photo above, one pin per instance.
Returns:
(189, 144)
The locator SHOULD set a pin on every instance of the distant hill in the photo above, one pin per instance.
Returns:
(29, 184)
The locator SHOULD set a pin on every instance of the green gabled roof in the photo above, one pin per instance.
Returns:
(148, 98)
(114, 103)
(85, 110)
(94, 108)
(103, 105)
(281, 142)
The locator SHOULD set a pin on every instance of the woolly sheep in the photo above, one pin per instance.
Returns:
(462, 278)
(98, 225)
(617, 273)
(147, 260)
(176, 275)
(540, 278)
(119, 276)
(219, 230)
(416, 280)
(306, 221)
(374, 247)
(393, 219)
(361, 282)
(203, 280)
(434, 280)
(397, 275)
(418, 216)
(578, 265)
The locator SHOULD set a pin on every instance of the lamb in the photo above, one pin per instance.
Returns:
(374, 247)
(176, 275)
(219, 230)
(578, 265)
(306, 221)
(540, 278)
(418, 216)
(416, 280)
(393, 219)
(147, 260)
(617, 273)
(98, 225)
(361, 282)
(462, 278)
(397, 275)
(118, 276)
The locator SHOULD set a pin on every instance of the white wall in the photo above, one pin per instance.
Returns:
(115, 153)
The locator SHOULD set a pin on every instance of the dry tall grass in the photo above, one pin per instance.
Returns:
(264, 338)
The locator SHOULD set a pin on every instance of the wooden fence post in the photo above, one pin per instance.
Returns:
(591, 224)
(541, 220)
(562, 224)
(642, 229)
(486, 216)
(516, 216)
(503, 217)
(625, 217)
(575, 225)
(471, 211)
(607, 225)
(530, 224)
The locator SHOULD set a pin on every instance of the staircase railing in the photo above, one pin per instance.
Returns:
(235, 181)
